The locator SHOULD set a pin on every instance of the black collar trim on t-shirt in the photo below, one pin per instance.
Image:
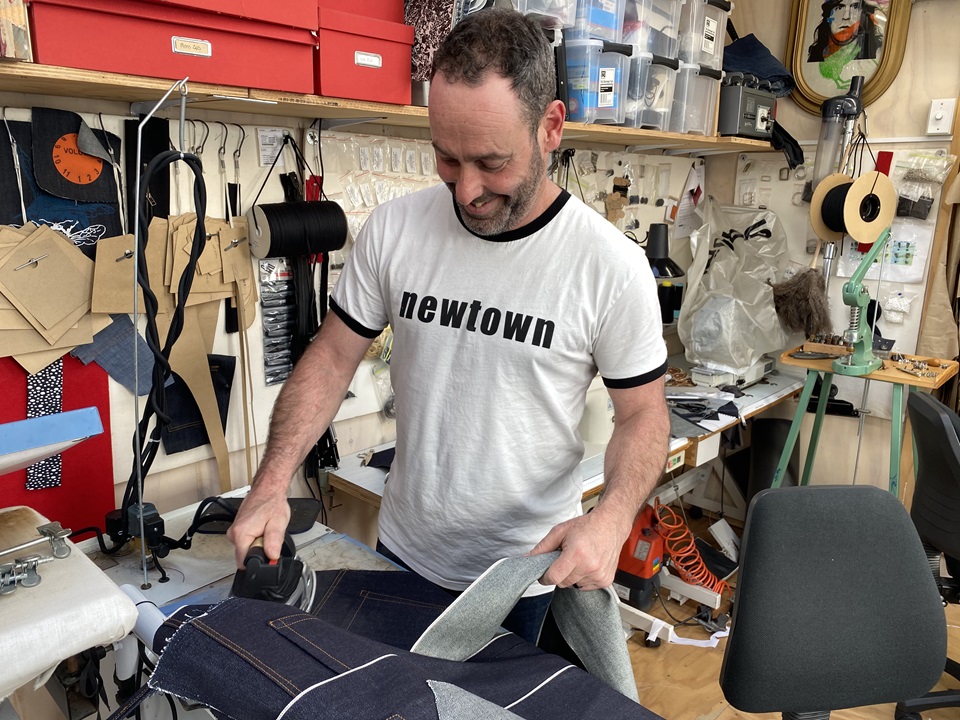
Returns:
(521, 232)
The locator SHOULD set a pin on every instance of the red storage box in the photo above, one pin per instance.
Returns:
(168, 41)
(389, 10)
(363, 58)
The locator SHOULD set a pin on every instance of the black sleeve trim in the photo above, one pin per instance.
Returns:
(359, 329)
(625, 383)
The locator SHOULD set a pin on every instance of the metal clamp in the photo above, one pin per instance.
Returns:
(22, 571)
(52, 533)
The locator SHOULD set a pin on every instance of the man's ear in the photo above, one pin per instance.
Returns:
(552, 125)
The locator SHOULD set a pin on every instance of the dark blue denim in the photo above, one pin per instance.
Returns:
(186, 430)
(249, 659)
(368, 603)
(526, 618)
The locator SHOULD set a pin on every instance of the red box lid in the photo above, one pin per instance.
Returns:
(295, 13)
(390, 10)
(166, 12)
(365, 26)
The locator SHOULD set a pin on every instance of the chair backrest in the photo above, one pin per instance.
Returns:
(835, 604)
(936, 499)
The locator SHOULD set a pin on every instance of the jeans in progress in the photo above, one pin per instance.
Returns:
(526, 618)
(255, 660)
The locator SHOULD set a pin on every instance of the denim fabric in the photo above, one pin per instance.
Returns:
(253, 660)
(524, 620)
(749, 55)
(370, 603)
(589, 620)
(112, 349)
(186, 430)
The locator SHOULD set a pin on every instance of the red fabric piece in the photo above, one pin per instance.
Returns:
(884, 161)
(85, 495)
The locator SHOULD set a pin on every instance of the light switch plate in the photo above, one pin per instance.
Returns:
(940, 120)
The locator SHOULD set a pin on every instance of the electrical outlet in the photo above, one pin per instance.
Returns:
(940, 120)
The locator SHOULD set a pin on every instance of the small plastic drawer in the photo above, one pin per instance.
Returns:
(612, 79)
(598, 20)
(653, 26)
(583, 74)
(551, 13)
(695, 99)
(650, 91)
(703, 27)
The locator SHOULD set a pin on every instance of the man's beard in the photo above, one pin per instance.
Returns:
(515, 208)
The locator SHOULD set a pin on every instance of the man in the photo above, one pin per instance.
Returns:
(504, 304)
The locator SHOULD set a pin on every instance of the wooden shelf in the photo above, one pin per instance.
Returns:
(69, 82)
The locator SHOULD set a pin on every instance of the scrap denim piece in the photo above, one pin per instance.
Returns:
(185, 429)
(112, 349)
(254, 660)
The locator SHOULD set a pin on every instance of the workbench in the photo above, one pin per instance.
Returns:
(887, 373)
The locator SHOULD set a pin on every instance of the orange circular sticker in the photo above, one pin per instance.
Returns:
(73, 165)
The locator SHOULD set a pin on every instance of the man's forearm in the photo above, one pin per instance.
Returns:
(634, 461)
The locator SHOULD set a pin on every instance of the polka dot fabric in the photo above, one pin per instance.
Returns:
(45, 397)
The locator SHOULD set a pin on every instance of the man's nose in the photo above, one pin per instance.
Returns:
(469, 185)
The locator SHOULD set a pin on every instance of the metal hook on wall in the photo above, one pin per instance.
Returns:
(206, 134)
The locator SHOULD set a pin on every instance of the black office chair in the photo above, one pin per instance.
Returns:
(936, 513)
(835, 605)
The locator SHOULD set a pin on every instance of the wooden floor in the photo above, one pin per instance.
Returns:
(681, 682)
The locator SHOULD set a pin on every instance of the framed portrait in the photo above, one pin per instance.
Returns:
(831, 41)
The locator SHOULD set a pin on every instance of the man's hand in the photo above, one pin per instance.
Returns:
(590, 548)
(263, 513)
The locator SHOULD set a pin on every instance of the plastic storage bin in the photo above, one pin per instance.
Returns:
(703, 27)
(598, 20)
(583, 72)
(650, 91)
(550, 13)
(612, 77)
(695, 99)
(653, 26)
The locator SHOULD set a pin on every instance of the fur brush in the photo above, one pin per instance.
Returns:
(801, 303)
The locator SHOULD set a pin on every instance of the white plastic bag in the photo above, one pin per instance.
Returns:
(728, 320)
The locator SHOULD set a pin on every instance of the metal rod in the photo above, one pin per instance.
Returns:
(182, 85)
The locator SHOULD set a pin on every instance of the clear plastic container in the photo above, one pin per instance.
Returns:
(551, 13)
(653, 26)
(650, 91)
(598, 20)
(611, 88)
(583, 75)
(695, 100)
(703, 28)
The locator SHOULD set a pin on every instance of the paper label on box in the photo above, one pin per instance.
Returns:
(365, 59)
(605, 91)
(709, 44)
(191, 46)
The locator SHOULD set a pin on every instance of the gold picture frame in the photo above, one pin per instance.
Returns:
(830, 41)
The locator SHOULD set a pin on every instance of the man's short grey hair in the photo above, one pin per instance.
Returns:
(507, 43)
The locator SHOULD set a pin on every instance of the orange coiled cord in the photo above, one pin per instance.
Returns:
(683, 550)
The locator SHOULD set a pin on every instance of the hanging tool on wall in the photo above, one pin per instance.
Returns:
(233, 189)
(222, 169)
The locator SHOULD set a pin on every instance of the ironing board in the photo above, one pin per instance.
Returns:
(75, 607)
